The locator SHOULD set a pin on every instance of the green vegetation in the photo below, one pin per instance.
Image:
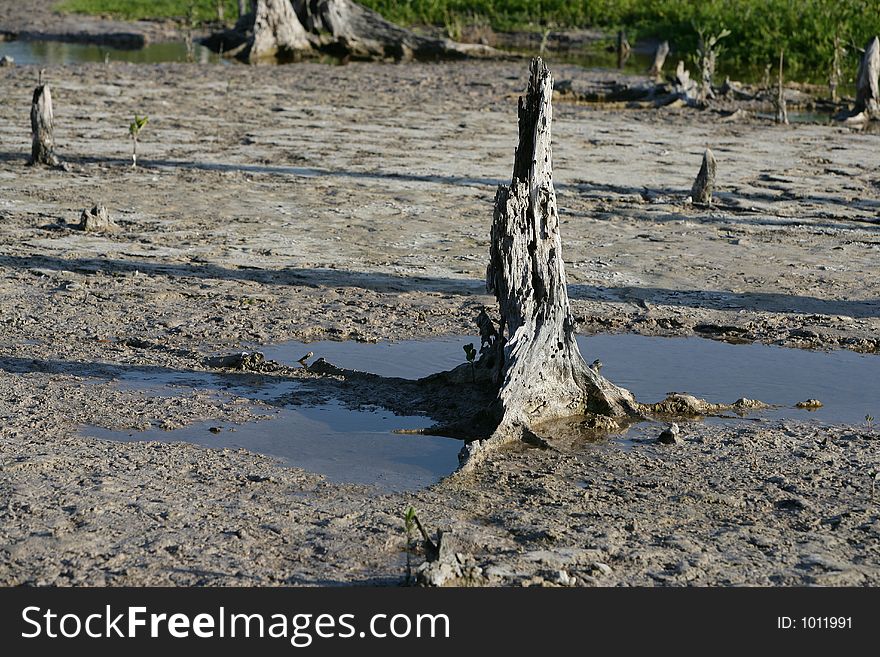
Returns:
(805, 29)
(133, 10)
(134, 131)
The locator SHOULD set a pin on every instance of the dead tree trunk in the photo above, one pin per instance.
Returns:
(868, 81)
(541, 372)
(836, 73)
(284, 29)
(781, 111)
(623, 49)
(242, 8)
(42, 127)
(659, 59)
(277, 32)
(701, 192)
(349, 29)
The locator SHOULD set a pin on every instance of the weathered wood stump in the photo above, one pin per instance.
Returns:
(42, 128)
(96, 220)
(623, 49)
(781, 111)
(539, 371)
(868, 82)
(659, 59)
(277, 33)
(704, 184)
(284, 30)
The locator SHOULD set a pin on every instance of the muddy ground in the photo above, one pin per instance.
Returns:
(313, 202)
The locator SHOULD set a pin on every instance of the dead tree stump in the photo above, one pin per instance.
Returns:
(701, 192)
(539, 368)
(277, 32)
(96, 220)
(286, 29)
(42, 128)
(868, 81)
(660, 55)
(623, 49)
(781, 111)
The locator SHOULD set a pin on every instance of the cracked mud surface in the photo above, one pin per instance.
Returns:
(314, 202)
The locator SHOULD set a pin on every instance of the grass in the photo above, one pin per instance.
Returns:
(133, 10)
(805, 29)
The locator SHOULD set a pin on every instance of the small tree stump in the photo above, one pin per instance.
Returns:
(96, 220)
(541, 373)
(701, 192)
(659, 59)
(781, 111)
(42, 128)
(684, 88)
(623, 49)
(868, 81)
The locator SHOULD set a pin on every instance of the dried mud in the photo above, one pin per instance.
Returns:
(313, 202)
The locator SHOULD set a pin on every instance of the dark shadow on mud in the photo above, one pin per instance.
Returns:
(733, 202)
(391, 283)
(378, 282)
(269, 169)
(436, 397)
(720, 300)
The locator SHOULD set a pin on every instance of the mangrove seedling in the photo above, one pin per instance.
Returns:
(134, 131)
(869, 420)
(471, 354)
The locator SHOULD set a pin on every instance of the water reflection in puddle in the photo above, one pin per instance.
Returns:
(360, 446)
(344, 445)
(57, 53)
(652, 367)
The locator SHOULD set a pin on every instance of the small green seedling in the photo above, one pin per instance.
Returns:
(134, 131)
(471, 355)
(869, 420)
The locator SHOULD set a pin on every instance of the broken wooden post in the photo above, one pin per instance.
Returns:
(42, 127)
(701, 192)
(659, 59)
(868, 81)
(781, 112)
(540, 371)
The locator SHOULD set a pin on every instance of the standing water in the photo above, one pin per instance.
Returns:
(57, 53)
(360, 446)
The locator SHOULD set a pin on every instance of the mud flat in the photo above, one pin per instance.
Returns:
(314, 202)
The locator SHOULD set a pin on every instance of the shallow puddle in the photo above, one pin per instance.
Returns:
(847, 383)
(344, 445)
(360, 447)
(57, 53)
